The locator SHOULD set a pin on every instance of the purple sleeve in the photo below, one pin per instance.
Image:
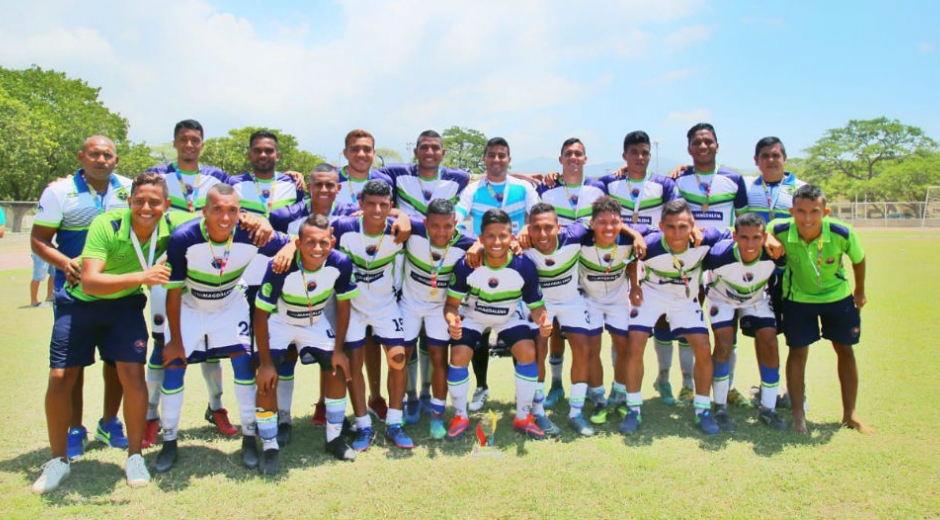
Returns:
(531, 294)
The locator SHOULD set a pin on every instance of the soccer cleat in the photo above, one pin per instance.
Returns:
(723, 419)
(363, 439)
(555, 393)
(686, 395)
(250, 452)
(412, 411)
(458, 426)
(527, 426)
(580, 425)
(135, 469)
(283, 434)
(425, 401)
(547, 426)
(77, 439)
(631, 422)
(220, 419)
(112, 433)
(599, 415)
(151, 430)
(437, 427)
(319, 415)
(772, 419)
(399, 437)
(268, 465)
(53, 472)
(737, 398)
(706, 421)
(665, 392)
(480, 395)
(166, 458)
(340, 450)
(378, 407)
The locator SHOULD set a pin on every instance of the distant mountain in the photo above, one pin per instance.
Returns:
(547, 164)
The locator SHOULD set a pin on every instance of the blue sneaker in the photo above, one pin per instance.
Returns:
(363, 439)
(707, 423)
(412, 412)
(555, 393)
(665, 392)
(580, 425)
(112, 433)
(425, 401)
(438, 431)
(77, 439)
(399, 437)
(631, 422)
(547, 426)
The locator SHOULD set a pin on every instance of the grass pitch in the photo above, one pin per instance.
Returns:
(668, 470)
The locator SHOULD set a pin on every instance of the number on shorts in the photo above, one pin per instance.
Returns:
(399, 323)
(243, 328)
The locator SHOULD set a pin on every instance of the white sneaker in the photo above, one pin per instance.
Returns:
(53, 472)
(480, 395)
(136, 471)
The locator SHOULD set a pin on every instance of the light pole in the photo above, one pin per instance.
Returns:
(656, 147)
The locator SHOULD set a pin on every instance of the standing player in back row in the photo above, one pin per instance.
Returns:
(816, 290)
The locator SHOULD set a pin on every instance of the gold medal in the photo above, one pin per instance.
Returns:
(688, 292)
(434, 293)
(705, 206)
(636, 218)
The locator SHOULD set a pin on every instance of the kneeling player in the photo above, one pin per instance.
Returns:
(738, 272)
(210, 320)
(495, 290)
(295, 301)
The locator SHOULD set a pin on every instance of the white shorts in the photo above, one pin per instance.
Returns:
(215, 334)
(755, 315)
(387, 327)
(432, 317)
(517, 328)
(615, 317)
(574, 317)
(684, 315)
(319, 336)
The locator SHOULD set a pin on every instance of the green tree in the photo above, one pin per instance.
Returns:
(908, 180)
(230, 153)
(464, 148)
(135, 158)
(385, 156)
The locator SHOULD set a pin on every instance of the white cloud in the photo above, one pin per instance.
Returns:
(686, 36)
(671, 76)
(692, 117)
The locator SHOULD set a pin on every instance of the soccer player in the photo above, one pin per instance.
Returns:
(496, 190)
(670, 286)
(359, 151)
(573, 193)
(771, 193)
(369, 241)
(817, 291)
(208, 257)
(494, 292)
(432, 250)
(188, 182)
(289, 311)
(106, 312)
(737, 272)
(66, 209)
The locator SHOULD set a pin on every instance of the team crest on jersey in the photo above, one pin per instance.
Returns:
(499, 197)
(265, 193)
(427, 194)
(122, 195)
(549, 262)
(435, 256)
(607, 258)
(189, 189)
(635, 193)
(370, 250)
(216, 263)
(574, 199)
(748, 277)
(140, 346)
(634, 313)
(492, 282)
(311, 285)
(830, 261)
(713, 311)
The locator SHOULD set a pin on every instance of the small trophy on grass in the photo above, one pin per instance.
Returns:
(486, 434)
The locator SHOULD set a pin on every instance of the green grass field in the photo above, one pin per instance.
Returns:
(669, 470)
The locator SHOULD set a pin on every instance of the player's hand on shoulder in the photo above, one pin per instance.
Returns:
(679, 170)
(474, 256)
(282, 259)
(298, 179)
(620, 172)
(550, 179)
(401, 228)
(774, 247)
(523, 239)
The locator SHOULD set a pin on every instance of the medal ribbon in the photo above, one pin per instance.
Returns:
(186, 195)
(303, 276)
(267, 201)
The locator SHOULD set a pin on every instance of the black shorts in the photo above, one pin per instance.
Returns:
(116, 327)
(840, 322)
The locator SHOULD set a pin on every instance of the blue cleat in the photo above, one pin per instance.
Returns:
(707, 423)
(112, 433)
(631, 422)
(412, 412)
(363, 439)
(665, 392)
(547, 426)
(580, 425)
(78, 438)
(399, 437)
(555, 393)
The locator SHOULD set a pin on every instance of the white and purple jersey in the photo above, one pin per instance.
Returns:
(714, 197)
(413, 192)
(677, 275)
(374, 263)
(208, 271)
(299, 297)
(188, 190)
(729, 278)
(494, 294)
(289, 219)
(349, 188)
(424, 262)
(558, 270)
(572, 203)
(646, 196)
(602, 270)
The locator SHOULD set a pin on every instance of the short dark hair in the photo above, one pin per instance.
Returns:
(496, 141)
(494, 216)
(570, 141)
(769, 141)
(221, 188)
(427, 134)
(315, 220)
(376, 187)
(262, 134)
(810, 192)
(358, 134)
(749, 219)
(441, 207)
(604, 204)
(542, 207)
(635, 137)
(323, 168)
(188, 124)
(150, 178)
(698, 128)
(675, 207)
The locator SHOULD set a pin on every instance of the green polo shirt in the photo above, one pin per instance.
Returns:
(109, 240)
(814, 274)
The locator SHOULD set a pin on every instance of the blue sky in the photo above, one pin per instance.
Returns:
(535, 72)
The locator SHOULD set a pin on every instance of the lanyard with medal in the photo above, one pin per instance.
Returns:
(636, 195)
(817, 265)
(748, 276)
(349, 180)
(189, 192)
(428, 193)
(303, 277)
(572, 199)
(97, 198)
(680, 267)
(145, 263)
(610, 263)
(771, 201)
(498, 197)
(706, 189)
(375, 252)
(225, 255)
(267, 200)
(440, 265)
